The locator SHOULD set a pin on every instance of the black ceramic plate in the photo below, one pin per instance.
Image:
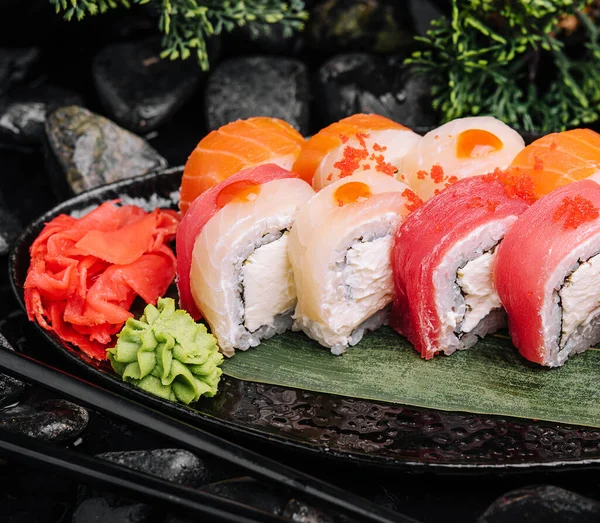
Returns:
(366, 432)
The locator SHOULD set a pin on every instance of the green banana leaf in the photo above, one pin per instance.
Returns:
(490, 378)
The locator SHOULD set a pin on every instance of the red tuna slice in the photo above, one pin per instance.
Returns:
(203, 208)
(543, 245)
(423, 240)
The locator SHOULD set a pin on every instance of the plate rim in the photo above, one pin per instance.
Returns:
(260, 436)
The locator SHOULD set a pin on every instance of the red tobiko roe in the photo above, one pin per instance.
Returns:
(575, 211)
(202, 209)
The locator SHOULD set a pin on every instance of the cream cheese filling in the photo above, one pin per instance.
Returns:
(268, 283)
(477, 285)
(368, 273)
(579, 297)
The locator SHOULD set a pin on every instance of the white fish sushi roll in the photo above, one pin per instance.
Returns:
(233, 245)
(340, 254)
(458, 149)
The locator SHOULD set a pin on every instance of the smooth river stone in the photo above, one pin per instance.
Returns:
(542, 504)
(10, 228)
(378, 26)
(23, 112)
(175, 465)
(89, 150)
(108, 510)
(10, 388)
(364, 83)
(50, 420)
(138, 89)
(258, 86)
(16, 66)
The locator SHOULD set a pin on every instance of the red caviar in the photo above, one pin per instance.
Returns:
(343, 138)
(414, 202)
(492, 205)
(379, 148)
(437, 173)
(421, 175)
(239, 192)
(384, 167)
(576, 211)
(361, 139)
(476, 201)
(517, 185)
(538, 164)
(350, 161)
(351, 192)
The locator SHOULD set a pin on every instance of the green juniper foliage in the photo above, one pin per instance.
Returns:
(185, 24)
(535, 64)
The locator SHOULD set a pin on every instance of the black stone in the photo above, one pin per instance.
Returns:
(378, 26)
(542, 504)
(10, 388)
(16, 65)
(107, 510)
(85, 150)
(138, 89)
(364, 83)
(9, 230)
(56, 420)
(175, 465)
(303, 513)
(23, 112)
(258, 86)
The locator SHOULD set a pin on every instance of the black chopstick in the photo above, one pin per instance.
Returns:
(195, 439)
(183, 500)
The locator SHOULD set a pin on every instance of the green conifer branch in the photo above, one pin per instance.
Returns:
(186, 24)
(493, 57)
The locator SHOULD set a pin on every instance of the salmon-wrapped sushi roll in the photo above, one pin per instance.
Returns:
(340, 254)
(238, 145)
(556, 160)
(548, 275)
(232, 250)
(442, 259)
(458, 149)
(361, 142)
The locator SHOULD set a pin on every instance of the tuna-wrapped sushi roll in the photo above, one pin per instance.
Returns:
(340, 254)
(548, 275)
(232, 249)
(442, 260)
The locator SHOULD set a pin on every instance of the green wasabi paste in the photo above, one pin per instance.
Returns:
(167, 354)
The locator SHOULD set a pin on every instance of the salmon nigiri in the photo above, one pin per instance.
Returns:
(459, 149)
(236, 146)
(361, 142)
(558, 159)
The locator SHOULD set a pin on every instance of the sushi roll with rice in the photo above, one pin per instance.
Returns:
(232, 247)
(361, 142)
(548, 275)
(458, 149)
(556, 160)
(340, 254)
(235, 146)
(442, 260)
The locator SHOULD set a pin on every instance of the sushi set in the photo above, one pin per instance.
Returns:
(365, 237)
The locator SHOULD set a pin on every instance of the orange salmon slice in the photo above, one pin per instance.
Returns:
(558, 159)
(236, 146)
